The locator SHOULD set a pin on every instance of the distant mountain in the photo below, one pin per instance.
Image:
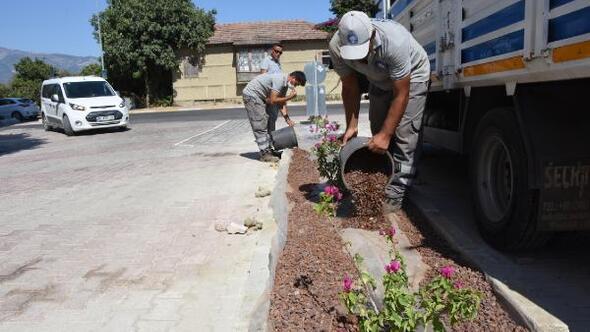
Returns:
(71, 63)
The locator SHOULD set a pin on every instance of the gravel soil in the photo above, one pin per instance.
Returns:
(436, 253)
(311, 267)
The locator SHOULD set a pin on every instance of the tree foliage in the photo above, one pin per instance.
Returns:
(141, 39)
(93, 69)
(4, 90)
(29, 76)
(341, 7)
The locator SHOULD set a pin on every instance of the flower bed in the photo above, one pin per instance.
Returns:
(317, 284)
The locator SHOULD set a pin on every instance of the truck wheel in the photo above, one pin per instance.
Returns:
(504, 205)
(68, 126)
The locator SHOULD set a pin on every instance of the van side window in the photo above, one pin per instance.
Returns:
(47, 89)
(59, 92)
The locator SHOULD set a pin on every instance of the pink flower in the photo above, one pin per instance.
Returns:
(447, 271)
(347, 283)
(339, 196)
(318, 145)
(332, 138)
(458, 284)
(393, 266)
(390, 232)
(332, 190)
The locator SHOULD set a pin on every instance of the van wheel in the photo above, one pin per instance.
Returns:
(504, 205)
(17, 116)
(46, 125)
(68, 127)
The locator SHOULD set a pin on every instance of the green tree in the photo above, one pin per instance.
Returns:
(4, 90)
(341, 7)
(29, 76)
(93, 69)
(141, 38)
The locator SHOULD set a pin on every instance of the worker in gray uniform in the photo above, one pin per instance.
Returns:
(398, 70)
(260, 95)
(271, 63)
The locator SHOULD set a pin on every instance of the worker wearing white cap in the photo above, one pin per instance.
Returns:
(398, 71)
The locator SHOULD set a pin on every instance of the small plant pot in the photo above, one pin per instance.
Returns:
(284, 138)
(356, 156)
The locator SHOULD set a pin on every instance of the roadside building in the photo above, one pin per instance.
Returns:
(234, 54)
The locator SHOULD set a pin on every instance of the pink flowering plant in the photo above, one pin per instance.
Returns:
(323, 127)
(326, 151)
(404, 310)
(329, 199)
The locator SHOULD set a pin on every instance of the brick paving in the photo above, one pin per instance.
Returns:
(114, 231)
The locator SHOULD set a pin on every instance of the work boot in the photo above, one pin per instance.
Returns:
(276, 153)
(392, 205)
(266, 156)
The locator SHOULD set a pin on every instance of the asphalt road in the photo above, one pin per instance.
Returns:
(223, 114)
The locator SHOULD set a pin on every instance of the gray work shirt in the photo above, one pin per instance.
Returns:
(394, 54)
(270, 65)
(262, 85)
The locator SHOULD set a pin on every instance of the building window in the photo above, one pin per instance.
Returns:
(326, 60)
(190, 68)
(248, 62)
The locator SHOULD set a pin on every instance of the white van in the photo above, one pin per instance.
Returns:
(81, 103)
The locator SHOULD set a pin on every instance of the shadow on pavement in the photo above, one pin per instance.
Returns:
(250, 155)
(11, 143)
(101, 131)
(555, 277)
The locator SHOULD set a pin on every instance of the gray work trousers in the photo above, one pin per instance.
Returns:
(405, 144)
(263, 119)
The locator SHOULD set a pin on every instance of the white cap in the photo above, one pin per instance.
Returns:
(355, 30)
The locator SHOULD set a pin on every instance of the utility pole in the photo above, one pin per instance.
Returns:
(103, 71)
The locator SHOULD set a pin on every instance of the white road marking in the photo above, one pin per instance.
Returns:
(200, 134)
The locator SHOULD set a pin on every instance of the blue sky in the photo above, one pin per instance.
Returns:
(62, 26)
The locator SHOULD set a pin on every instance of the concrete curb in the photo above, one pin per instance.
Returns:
(280, 206)
(521, 308)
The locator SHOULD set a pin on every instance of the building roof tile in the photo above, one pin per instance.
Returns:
(265, 32)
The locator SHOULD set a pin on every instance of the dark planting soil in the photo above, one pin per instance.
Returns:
(436, 253)
(367, 191)
(311, 267)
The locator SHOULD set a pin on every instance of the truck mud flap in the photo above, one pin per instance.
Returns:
(565, 196)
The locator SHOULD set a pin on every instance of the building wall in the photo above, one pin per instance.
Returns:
(217, 79)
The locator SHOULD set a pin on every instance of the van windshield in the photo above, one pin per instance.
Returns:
(88, 89)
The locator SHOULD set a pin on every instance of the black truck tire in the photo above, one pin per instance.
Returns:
(504, 204)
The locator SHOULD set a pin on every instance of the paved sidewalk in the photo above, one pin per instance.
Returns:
(115, 231)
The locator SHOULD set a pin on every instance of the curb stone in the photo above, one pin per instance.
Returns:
(280, 206)
(522, 309)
